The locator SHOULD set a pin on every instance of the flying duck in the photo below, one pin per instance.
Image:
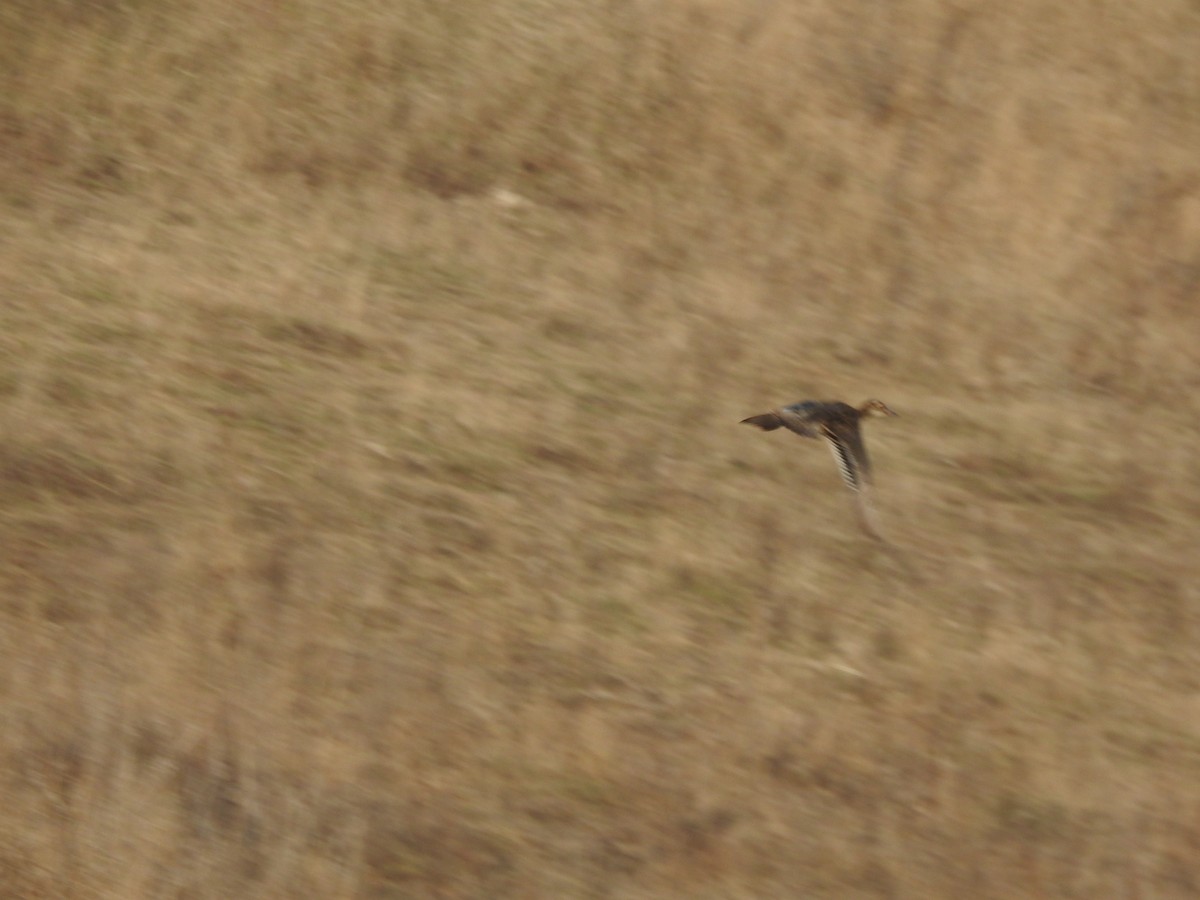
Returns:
(837, 423)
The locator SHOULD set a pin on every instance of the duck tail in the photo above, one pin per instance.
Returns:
(767, 421)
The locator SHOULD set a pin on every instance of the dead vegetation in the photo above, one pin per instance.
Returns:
(374, 521)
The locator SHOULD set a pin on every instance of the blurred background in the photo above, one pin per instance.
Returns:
(374, 517)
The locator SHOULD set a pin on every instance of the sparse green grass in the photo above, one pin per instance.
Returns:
(374, 520)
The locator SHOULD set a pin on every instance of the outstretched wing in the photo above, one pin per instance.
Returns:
(798, 417)
(846, 441)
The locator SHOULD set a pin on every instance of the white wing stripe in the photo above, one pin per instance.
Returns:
(844, 461)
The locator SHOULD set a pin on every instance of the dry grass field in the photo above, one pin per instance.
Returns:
(374, 517)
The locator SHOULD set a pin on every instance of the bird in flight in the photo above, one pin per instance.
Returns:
(838, 424)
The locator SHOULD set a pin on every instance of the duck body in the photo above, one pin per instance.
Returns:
(808, 417)
(838, 424)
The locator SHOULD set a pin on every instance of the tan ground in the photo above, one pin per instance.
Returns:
(374, 517)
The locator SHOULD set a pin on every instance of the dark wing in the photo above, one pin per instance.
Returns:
(845, 439)
(767, 421)
(800, 418)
